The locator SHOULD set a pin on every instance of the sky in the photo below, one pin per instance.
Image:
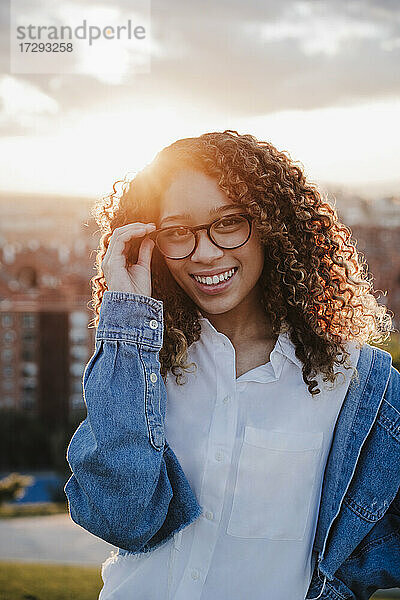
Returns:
(318, 79)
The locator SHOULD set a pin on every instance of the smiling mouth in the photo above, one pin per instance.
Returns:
(215, 279)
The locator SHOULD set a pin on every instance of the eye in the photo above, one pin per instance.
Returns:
(177, 233)
(229, 222)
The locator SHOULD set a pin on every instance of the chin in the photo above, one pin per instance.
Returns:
(216, 306)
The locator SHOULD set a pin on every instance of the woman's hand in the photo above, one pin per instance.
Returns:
(137, 278)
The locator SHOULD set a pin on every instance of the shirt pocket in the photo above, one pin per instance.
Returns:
(274, 484)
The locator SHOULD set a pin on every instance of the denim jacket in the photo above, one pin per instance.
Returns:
(128, 488)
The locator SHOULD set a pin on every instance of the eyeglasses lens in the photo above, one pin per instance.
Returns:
(228, 232)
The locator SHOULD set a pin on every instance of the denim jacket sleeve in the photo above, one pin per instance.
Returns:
(127, 486)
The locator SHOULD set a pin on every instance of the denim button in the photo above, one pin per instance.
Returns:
(153, 377)
(195, 574)
(226, 399)
(209, 515)
(153, 324)
(219, 456)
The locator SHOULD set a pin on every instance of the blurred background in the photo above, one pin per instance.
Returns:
(318, 79)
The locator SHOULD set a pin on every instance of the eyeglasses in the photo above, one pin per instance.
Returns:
(228, 232)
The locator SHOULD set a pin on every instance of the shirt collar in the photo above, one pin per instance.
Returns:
(270, 371)
(287, 348)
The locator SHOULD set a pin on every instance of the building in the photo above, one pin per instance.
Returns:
(375, 225)
(47, 250)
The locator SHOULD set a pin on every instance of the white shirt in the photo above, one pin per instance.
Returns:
(254, 450)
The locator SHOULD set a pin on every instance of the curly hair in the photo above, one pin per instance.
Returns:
(315, 284)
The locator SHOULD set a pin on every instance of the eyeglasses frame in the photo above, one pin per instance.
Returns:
(205, 226)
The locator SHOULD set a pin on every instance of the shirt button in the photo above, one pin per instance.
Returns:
(219, 456)
(153, 377)
(195, 574)
(209, 515)
(226, 399)
(153, 324)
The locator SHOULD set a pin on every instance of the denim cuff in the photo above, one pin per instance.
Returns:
(131, 317)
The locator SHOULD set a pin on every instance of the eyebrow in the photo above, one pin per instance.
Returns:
(213, 212)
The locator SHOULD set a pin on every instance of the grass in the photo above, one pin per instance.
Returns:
(29, 581)
(393, 347)
(37, 509)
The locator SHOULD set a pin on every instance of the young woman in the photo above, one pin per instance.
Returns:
(242, 437)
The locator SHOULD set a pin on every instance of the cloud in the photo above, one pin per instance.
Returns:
(250, 58)
(21, 97)
(23, 105)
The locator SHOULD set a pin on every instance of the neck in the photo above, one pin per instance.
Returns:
(245, 322)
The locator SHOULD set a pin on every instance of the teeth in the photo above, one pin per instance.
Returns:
(215, 278)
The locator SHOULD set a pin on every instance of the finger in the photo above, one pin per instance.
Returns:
(145, 253)
(123, 234)
(138, 224)
(135, 229)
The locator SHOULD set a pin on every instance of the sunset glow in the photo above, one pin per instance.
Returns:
(85, 154)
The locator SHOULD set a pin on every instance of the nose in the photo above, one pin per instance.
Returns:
(206, 251)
